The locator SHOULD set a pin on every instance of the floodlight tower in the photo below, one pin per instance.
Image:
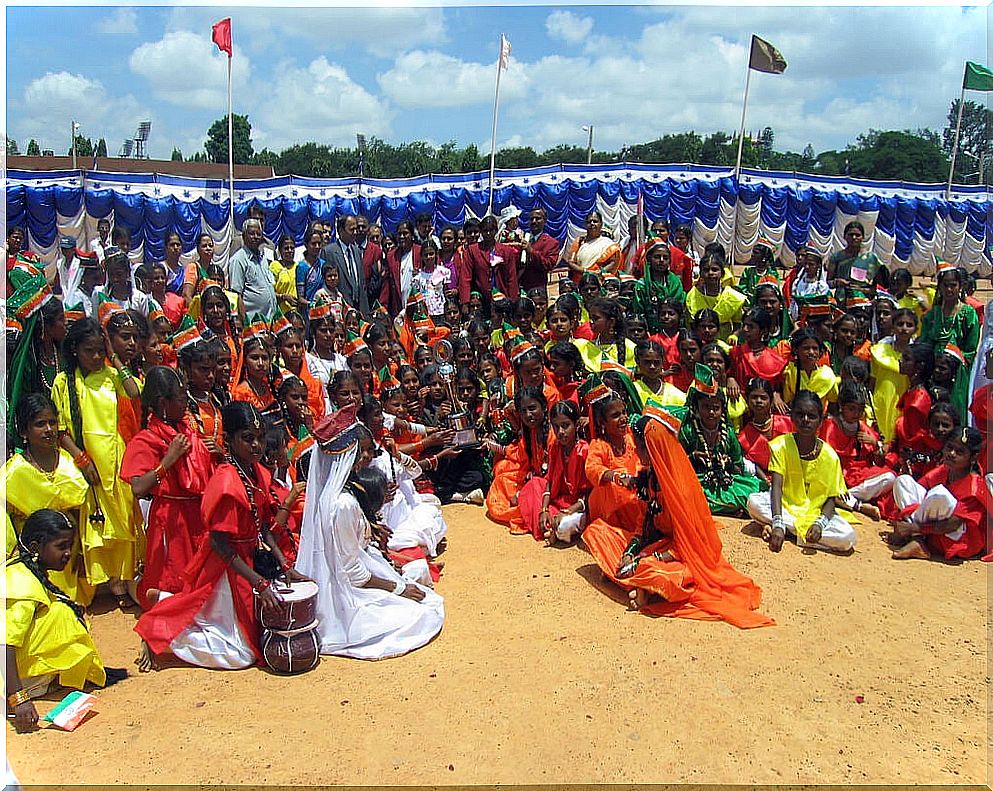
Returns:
(140, 138)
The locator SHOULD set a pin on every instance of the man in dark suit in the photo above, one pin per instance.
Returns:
(345, 255)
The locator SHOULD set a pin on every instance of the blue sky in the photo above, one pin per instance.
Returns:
(427, 73)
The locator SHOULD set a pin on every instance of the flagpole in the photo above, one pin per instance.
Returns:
(741, 134)
(496, 110)
(955, 144)
(230, 153)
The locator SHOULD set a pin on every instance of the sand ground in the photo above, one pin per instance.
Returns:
(542, 676)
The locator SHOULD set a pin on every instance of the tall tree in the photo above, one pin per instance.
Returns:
(84, 147)
(34, 150)
(904, 156)
(975, 141)
(177, 155)
(101, 150)
(12, 147)
(217, 140)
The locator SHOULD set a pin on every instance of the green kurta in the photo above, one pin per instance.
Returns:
(750, 278)
(649, 292)
(721, 471)
(962, 329)
(861, 269)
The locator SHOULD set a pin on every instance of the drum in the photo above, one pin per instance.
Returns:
(300, 608)
(289, 652)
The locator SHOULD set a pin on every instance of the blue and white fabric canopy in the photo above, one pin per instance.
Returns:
(906, 224)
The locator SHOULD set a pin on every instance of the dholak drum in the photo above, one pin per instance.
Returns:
(299, 611)
(294, 651)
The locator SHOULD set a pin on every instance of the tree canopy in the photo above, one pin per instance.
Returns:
(217, 140)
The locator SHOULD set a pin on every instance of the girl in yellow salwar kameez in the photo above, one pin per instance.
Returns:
(95, 401)
(890, 384)
(46, 637)
(41, 475)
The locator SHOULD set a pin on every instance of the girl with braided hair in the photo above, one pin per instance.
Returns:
(521, 461)
(291, 352)
(712, 445)
(46, 635)
(168, 462)
(213, 622)
(92, 398)
(607, 324)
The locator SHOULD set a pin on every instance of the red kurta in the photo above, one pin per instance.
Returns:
(174, 521)
(767, 364)
(566, 481)
(755, 445)
(855, 456)
(510, 474)
(974, 508)
(225, 510)
(911, 426)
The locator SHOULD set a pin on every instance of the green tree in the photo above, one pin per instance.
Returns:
(12, 147)
(84, 147)
(265, 157)
(903, 156)
(975, 141)
(519, 157)
(34, 150)
(177, 155)
(101, 150)
(563, 154)
(682, 147)
(217, 140)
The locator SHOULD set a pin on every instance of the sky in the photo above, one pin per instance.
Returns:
(427, 72)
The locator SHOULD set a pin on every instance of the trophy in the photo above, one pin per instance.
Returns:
(460, 420)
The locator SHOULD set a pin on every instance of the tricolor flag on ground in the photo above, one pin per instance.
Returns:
(765, 57)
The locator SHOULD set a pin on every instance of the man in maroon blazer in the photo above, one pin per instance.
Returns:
(541, 253)
(372, 258)
(491, 264)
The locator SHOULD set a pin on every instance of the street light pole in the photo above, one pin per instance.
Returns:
(589, 144)
(74, 127)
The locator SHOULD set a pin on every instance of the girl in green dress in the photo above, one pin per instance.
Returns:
(712, 445)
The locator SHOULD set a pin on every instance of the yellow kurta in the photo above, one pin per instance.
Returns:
(610, 351)
(286, 281)
(822, 380)
(736, 411)
(111, 549)
(728, 305)
(46, 636)
(30, 490)
(587, 350)
(890, 385)
(806, 484)
(669, 395)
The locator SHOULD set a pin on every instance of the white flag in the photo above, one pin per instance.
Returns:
(504, 51)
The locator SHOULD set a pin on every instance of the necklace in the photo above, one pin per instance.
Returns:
(37, 465)
(811, 454)
(763, 427)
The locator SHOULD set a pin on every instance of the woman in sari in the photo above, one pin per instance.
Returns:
(594, 251)
(853, 273)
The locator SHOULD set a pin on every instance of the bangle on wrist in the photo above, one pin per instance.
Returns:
(159, 472)
(82, 460)
(261, 585)
(400, 588)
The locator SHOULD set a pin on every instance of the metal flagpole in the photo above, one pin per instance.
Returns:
(496, 110)
(955, 144)
(741, 133)
(230, 153)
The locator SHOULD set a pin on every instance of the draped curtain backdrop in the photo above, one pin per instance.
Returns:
(906, 224)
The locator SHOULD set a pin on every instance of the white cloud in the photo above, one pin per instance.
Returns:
(434, 79)
(321, 103)
(187, 69)
(50, 102)
(121, 21)
(383, 31)
(569, 27)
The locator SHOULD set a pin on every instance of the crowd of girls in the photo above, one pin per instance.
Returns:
(195, 460)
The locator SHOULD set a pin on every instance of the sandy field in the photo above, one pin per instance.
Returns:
(875, 673)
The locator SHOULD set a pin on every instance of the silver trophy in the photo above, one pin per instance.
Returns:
(460, 421)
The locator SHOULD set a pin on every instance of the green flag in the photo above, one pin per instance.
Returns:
(977, 78)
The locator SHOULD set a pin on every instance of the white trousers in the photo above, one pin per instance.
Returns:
(214, 639)
(869, 489)
(933, 505)
(837, 534)
(570, 526)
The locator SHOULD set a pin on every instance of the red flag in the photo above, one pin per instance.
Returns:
(221, 34)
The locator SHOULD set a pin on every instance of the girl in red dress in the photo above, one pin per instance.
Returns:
(751, 357)
(914, 406)
(860, 449)
(168, 461)
(761, 425)
(945, 513)
(554, 508)
(212, 621)
(690, 353)
(980, 409)
(257, 379)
